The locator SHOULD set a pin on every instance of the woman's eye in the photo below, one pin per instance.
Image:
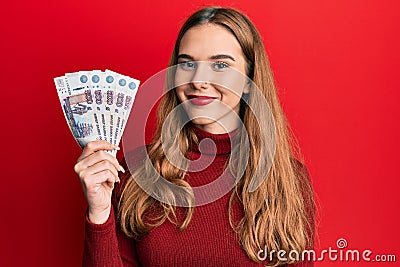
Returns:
(219, 66)
(187, 65)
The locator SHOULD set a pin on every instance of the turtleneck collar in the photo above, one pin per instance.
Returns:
(220, 144)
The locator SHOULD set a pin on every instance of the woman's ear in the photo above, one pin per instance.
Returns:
(247, 86)
(245, 96)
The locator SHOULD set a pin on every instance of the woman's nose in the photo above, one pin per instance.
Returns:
(202, 76)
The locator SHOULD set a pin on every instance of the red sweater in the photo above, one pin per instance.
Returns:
(209, 239)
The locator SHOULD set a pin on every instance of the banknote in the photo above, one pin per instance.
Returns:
(130, 94)
(96, 104)
(110, 90)
(85, 81)
(77, 111)
(126, 89)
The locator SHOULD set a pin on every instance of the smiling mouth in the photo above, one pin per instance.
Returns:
(200, 100)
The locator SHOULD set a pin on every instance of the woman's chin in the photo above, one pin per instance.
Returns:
(202, 122)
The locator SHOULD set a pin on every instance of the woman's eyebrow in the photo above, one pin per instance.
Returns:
(222, 56)
(219, 56)
(185, 56)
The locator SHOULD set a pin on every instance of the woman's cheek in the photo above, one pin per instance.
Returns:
(179, 93)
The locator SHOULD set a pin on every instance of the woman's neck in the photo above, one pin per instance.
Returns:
(214, 144)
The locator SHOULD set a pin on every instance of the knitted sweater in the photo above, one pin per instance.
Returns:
(208, 240)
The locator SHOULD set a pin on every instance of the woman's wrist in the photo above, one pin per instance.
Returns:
(99, 217)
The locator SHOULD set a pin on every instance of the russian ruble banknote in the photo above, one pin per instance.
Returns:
(96, 104)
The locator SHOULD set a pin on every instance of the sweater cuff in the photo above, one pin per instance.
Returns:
(103, 228)
(101, 244)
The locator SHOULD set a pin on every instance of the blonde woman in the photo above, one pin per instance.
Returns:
(144, 222)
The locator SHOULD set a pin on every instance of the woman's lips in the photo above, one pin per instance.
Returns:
(200, 100)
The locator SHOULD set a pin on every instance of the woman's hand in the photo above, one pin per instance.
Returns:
(98, 171)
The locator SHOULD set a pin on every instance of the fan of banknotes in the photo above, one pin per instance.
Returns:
(96, 104)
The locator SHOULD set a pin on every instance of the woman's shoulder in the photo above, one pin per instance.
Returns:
(307, 191)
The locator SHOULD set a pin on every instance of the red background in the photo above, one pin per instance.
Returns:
(336, 64)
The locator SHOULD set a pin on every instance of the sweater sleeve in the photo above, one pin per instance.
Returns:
(106, 245)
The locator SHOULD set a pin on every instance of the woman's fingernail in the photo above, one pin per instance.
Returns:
(117, 148)
(121, 169)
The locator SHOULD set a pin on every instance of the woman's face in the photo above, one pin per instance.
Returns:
(210, 90)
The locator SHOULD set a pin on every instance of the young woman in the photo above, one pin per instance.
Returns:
(130, 226)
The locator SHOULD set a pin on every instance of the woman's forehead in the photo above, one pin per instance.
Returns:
(207, 40)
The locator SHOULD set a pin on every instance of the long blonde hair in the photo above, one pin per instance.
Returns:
(279, 214)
